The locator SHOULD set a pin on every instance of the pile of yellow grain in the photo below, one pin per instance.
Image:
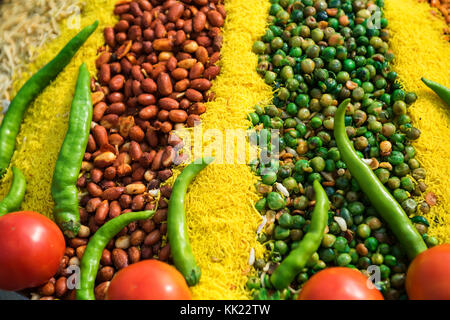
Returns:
(220, 213)
(421, 51)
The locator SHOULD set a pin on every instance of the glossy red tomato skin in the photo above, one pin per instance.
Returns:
(428, 276)
(338, 283)
(31, 249)
(148, 280)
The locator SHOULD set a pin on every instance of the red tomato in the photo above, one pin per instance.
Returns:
(428, 276)
(31, 249)
(338, 283)
(148, 280)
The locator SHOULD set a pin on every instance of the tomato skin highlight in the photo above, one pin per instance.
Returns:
(31, 249)
(148, 280)
(428, 276)
(338, 283)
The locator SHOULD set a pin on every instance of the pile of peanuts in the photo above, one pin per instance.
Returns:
(154, 76)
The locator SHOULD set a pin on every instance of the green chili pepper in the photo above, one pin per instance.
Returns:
(16, 193)
(30, 90)
(93, 253)
(68, 165)
(180, 245)
(377, 193)
(296, 260)
(441, 91)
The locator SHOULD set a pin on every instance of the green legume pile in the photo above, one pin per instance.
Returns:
(315, 54)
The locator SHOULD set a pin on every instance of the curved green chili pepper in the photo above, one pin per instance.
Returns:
(10, 126)
(68, 165)
(377, 193)
(93, 253)
(285, 273)
(16, 193)
(439, 89)
(180, 246)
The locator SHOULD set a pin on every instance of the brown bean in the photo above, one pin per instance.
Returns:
(156, 164)
(149, 112)
(196, 71)
(96, 175)
(166, 127)
(146, 99)
(109, 37)
(137, 134)
(168, 103)
(61, 286)
(76, 242)
(197, 108)
(138, 203)
(165, 87)
(104, 159)
(135, 151)
(187, 63)
(164, 253)
(117, 108)
(100, 135)
(112, 193)
(104, 76)
(202, 55)
(116, 83)
(163, 175)
(146, 252)
(199, 21)
(125, 201)
(178, 116)
(119, 258)
(93, 189)
(215, 18)
(163, 45)
(194, 95)
(114, 209)
(182, 85)
(102, 212)
(102, 59)
(80, 251)
(134, 254)
(105, 274)
(211, 72)
(152, 238)
(193, 120)
(179, 74)
(175, 11)
(93, 204)
(101, 290)
(160, 216)
(99, 111)
(201, 84)
(105, 259)
(152, 137)
(135, 33)
(148, 85)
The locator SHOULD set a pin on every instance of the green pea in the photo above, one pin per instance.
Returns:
(384, 271)
(286, 220)
(258, 47)
(371, 244)
(363, 231)
(275, 201)
(343, 259)
(340, 244)
(281, 233)
(281, 247)
(298, 221)
(382, 174)
(253, 283)
(302, 277)
(327, 254)
(390, 260)
(307, 65)
(270, 77)
(356, 208)
(328, 240)
(261, 204)
(312, 260)
(318, 164)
